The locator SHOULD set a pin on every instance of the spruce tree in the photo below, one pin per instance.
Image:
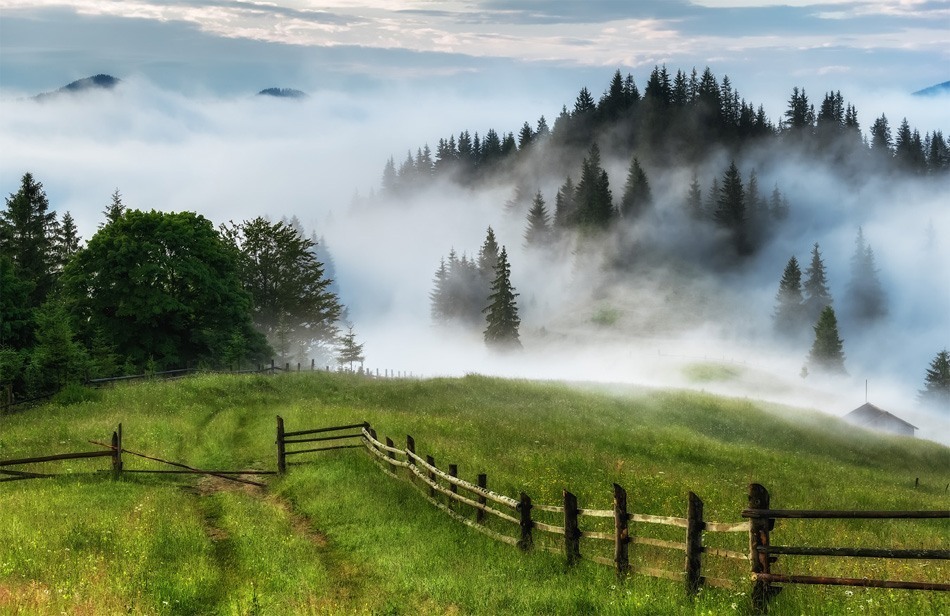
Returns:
(788, 310)
(936, 389)
(538, 231)
(350, 352)
(438, 298)
(817, 296)
(66, 240)
(865, 296)
(595, 207)
(827, 354)
(565, 205)
(488, 257)
(636, 192)
(730, 210)
(694, 199)
(27, 237)
(501, 314)
(115, 209)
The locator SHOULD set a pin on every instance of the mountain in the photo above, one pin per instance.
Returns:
(282, 93)
(940, 89)
(96, 82)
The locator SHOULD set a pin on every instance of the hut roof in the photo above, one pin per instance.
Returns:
(867, 414)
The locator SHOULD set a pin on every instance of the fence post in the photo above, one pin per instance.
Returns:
(483, 484)
(524, 508)
(694, 544)
(390, 443)
(372, 433)
(454, 489)
(759, 528)
(281, 447)
(621, 532)
(431, 462)
(313, 364)
(572, 534)
(411, 448)
(117, 453)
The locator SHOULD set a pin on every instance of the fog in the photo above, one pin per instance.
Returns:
(237, 158)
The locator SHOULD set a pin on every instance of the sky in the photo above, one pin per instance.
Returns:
(184, 132)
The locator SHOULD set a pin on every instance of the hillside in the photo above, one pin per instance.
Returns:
(86, 84)
(352, 540)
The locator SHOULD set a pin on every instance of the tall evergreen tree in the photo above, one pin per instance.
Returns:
(115, 209)
(595, 207)
(865, 296)
(27, 238)
(817, 295)
(538, 231)
(936, 389)
(350, 352)
(694, 199)
(730, 210)
(488, 256)
(788, 310)
(827, 354)
(439, 298)
(66, 241)
(636, 192)
(565, 205)
(501, 314)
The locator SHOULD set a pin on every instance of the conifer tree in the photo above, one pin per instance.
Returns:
(438, 298)
(636, 192)
(731, 209)
(350, 352)
(827, 354)
(66, 240)
(865, 296)
(488, 256)
(694, 199)
(27, 237)
(501, 314)
(538, 231)
(936, 389)
(565, 205)
(115, 209)
(817, 295)
(595, 207)
(788, 310)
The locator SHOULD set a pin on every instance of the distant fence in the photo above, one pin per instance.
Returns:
(441, 488)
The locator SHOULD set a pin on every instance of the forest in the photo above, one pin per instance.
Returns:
(160, 290)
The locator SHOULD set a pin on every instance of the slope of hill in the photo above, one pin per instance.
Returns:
(86, 84)
(282, 93)
(935, 90)
(336, 535)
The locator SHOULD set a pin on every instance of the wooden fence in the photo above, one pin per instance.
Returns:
(114, 452)
(763, 554)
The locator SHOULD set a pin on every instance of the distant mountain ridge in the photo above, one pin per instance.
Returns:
(282, 93)
(939, 89)
(96, 82)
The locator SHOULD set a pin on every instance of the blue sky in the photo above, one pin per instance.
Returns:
(235, 46)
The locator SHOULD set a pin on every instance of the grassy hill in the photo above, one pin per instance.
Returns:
(336, 535)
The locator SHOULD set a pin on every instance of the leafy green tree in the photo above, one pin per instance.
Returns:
(164, 288)
(936, 389)
(827, 353)
(817, 295)
(865, 296)
(290, 299)
(26, 238)
(350, 352)
(637, 197)
(502, 310)
(538, 232)
(788, 311)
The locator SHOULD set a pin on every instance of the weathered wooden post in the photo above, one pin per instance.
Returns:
(298, 366)
(287, 367)
(272, 366)
(454, 489)
(281, 447)
(313, 364)
(390, 443)
(621, 533)
(759, 528)
(411, 449)
(524, 508)
(572, 534)
(483, 484)
(431, 462)
(372, 433)
(694, 544)
(117, 453)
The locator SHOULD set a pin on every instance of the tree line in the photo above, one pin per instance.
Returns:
(152, 291)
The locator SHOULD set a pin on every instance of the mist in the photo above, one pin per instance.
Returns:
(320, 159)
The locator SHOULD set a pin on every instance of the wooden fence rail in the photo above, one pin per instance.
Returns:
(115, 453)
(763, 554)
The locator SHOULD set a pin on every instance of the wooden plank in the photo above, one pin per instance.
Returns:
(498, 498)
(322, 438)
(857, 552)
(58, 456)
(480, 528)
(418, 473)
(596, 513)
(593, 534)
(389, 447)
(330, 429)
(183, 472)
(660, 543)
(659, 519)
(550, 508)
(844, 515)
(290, 453)
(384, 457)
(725, 553)
(661, 573)
(184, 466)
(548, 528)
(727, 527)
(836, 581)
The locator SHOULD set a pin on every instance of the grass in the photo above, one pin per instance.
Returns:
(338, 536)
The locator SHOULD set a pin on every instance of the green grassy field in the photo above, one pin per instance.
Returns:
(338, 536)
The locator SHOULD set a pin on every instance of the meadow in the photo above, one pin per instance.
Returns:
(335, 535)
